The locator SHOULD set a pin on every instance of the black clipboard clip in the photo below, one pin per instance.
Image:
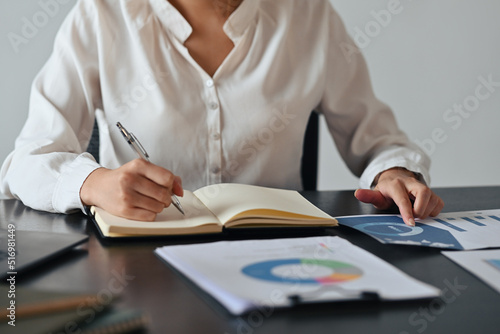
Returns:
(345, 294)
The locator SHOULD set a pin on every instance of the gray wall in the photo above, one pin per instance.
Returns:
(27, 31)
(427, 58)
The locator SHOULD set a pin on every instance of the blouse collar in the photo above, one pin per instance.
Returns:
(236, 25)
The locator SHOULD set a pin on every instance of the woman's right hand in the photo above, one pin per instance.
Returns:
(138, 190)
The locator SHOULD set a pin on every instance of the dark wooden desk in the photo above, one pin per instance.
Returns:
(177, 307)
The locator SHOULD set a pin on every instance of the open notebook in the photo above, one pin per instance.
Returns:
(213, 208)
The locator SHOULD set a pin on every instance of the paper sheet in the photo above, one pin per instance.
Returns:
(243, 275)
(485, 264)
(456, 230)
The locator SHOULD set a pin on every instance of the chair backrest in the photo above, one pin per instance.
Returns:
(309, 166)
(93, 147)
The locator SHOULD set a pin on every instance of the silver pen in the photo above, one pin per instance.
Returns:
(135, 144)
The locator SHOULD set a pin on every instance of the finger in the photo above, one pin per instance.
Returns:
(374, 197)
(138, 200)
(431, 206)
(423, 195)
(177, 187)
(134, 186)
(424, 208)
(133, 205)
(439, 206)
(401, 198)
(168, 183)
(136, 213)
(159, 175)
(163, 184)
(159, 183)
(153, 190)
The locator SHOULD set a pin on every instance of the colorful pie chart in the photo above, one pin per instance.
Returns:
(303, 271)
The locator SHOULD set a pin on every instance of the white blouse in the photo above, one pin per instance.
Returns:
(125, 61)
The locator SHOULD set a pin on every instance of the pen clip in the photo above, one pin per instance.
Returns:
(143, 150)
(124, 132)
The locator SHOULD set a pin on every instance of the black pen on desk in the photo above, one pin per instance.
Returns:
(135, 144)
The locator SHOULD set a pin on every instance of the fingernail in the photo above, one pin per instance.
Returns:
(411, 222)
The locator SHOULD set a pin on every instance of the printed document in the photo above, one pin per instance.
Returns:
(250, 274)
(455, 230)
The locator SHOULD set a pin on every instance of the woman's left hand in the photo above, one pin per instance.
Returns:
(399, 186)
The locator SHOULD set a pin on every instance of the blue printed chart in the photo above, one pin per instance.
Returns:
(457, 230)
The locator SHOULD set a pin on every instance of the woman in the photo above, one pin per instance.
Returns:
(217, 91)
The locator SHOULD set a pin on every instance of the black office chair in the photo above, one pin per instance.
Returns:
(93, 147)
(309, 166)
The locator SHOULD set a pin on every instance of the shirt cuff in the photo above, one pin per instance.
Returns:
(67, 191)
(413, 159)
